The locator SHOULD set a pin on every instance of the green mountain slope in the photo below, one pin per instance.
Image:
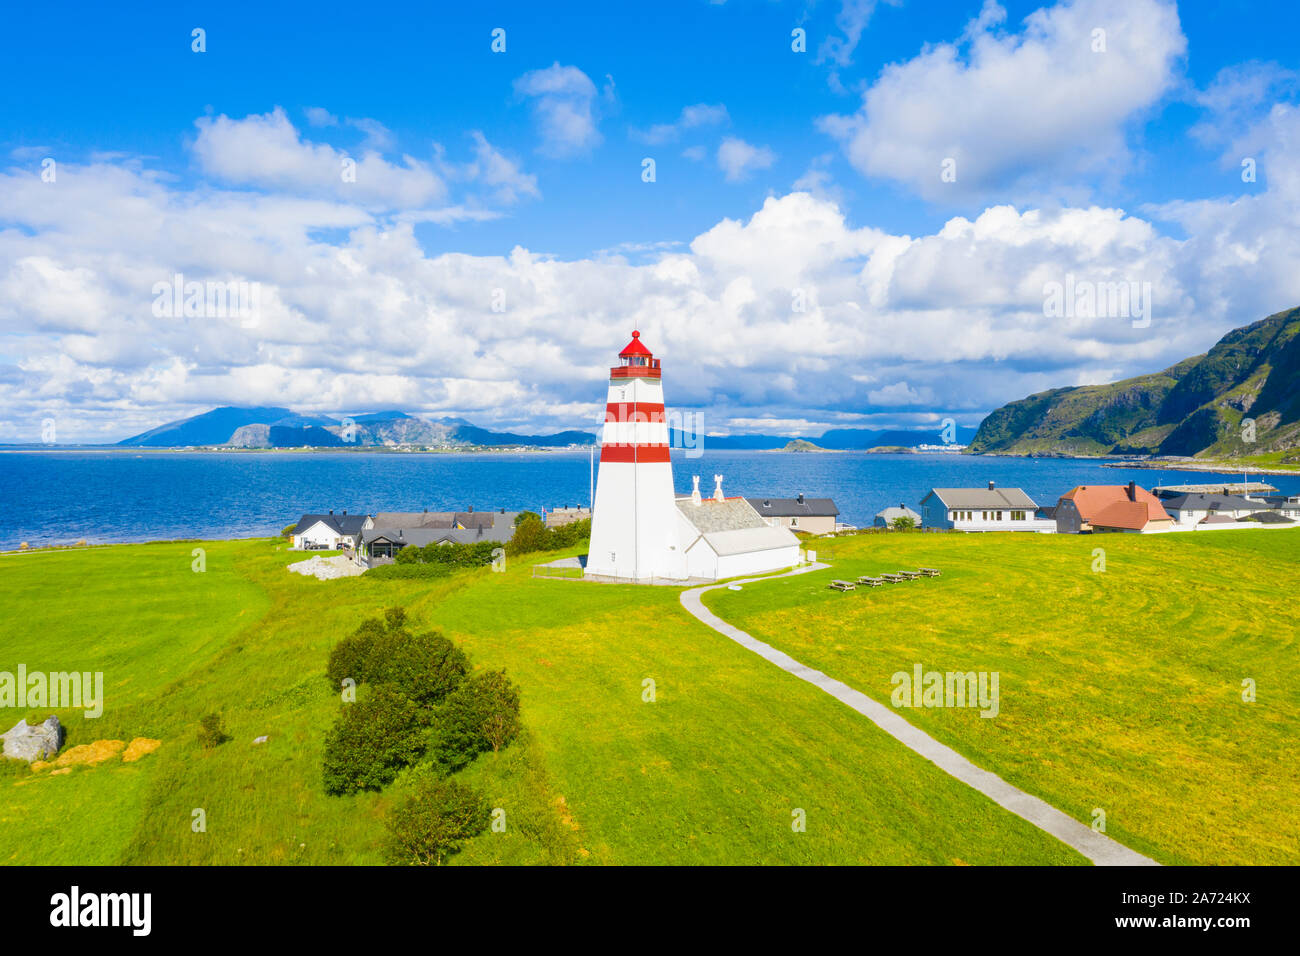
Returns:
(1198, 407)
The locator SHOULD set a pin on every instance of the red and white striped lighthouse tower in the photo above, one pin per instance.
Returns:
(634, 524)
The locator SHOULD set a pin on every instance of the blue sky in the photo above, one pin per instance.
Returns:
(539, 149)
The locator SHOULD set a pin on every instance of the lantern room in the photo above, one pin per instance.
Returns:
(636, 361)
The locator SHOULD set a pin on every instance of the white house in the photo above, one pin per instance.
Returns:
(726, 537)
(982, 509)
(328, 532)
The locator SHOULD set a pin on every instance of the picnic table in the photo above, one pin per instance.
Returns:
(892, 578)
(909, 575)
(842, 586)
(930, 572)
(869, 581)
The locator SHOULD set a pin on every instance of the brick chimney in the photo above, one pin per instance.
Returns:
(1132, 491)
(800, 498)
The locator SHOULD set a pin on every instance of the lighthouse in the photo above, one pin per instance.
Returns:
(634, 524)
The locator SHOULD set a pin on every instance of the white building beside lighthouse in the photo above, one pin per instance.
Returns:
(640, 529)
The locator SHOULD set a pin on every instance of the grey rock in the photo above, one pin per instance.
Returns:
(261, 740)
(24, 742)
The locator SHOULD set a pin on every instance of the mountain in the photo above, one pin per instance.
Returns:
(210, 428)
(1197, 407)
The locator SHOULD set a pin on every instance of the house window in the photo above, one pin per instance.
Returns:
(794, 522)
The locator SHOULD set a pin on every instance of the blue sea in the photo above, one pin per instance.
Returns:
(60, 497)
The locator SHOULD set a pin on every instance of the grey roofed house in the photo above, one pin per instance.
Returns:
(888, 516)
(799, 507)
(980, 498)
(1196, 501)
(343, 523)
(459, 527)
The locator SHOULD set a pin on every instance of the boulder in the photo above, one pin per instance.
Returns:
(23, 742)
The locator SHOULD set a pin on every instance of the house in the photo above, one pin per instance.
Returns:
(1288, 506)
(558, 517)
(387, 532)
(327, 532)
(886, 518)
(982, 509)
(1191, 508)
(462, 526)
(724, 537)
(809, 515)
(1117, 508)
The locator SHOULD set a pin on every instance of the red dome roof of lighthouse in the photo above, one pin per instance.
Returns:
(635, 347)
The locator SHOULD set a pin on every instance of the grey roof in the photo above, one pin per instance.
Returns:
(1195, 501)
(1269, 517)
(746, 540)
(341, 523)
(973, 498)
(730, 514)
(898, 511)
(500, 531)
(444, 519)
(794, 508)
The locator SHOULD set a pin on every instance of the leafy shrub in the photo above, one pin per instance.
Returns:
(481, 714)
(526, 516)
(288, 530)
(903, 523)
(373, 739)
(530, 535)
(350, 657)
(212, 731)
(433, 822)
(425, 667)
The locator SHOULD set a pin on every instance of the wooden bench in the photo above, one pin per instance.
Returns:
(842, 586)
(870, 581)
(930, 572)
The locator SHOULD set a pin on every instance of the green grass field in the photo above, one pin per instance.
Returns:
(1119, 690)
(1131, 704)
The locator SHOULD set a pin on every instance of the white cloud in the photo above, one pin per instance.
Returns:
(692, 117)
(319, 116)
(564, 105)
(1038, 107)
(791, 315)
(737, 158)
(266, 151)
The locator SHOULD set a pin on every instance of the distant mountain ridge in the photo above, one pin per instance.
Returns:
(274, 427)
(1198, 407)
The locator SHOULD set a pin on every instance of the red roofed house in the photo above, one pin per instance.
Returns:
(1111, 508)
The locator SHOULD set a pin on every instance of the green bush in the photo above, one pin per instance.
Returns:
(530, 535)
(212, 731)
(425, 667)
(433, 822)
(481, 714)
(288, 530)
(350, 657)
(526, 516)
(372, 741)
